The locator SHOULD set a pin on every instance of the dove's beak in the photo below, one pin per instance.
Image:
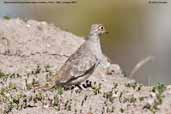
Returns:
(106, 32)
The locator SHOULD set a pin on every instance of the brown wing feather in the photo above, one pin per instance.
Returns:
(77, 65)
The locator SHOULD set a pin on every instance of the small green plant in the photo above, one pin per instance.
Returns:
(7, 17)
(47, 68)
(96, 88)
(34, 82)
(68, 105)
(60, 90)
(109, 96)
(2, 74)
(121, 110)
(132, 99)
(120, 97)
(141, 98)
(83, 101)
(115, 85)
(139, 87)
(39, 96)
(132, 85)
(12, 86)
(28, 85)
(38, 69)
(158, 90)
(113, 109)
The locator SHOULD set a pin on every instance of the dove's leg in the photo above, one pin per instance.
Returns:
(88, 83)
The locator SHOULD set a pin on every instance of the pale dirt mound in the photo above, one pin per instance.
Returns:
(25, 44)
(31, 51)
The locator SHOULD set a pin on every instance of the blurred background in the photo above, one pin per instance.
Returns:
(136, 28)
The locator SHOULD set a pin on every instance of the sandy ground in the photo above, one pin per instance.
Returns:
(31, 52)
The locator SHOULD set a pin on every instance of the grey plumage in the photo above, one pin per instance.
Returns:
(82, 63)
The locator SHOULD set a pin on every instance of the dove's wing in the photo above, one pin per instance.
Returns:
(79, 64)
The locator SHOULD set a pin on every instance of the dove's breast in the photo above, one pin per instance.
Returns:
(95, 47)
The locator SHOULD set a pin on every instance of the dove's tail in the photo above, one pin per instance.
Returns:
(51, 83)
(140, 65)
(44, 87)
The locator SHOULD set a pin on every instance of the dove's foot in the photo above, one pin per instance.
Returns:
(87, 84)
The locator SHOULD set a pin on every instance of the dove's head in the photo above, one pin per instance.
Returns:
(97, 29)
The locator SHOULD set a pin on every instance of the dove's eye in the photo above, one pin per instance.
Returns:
(101, 27)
